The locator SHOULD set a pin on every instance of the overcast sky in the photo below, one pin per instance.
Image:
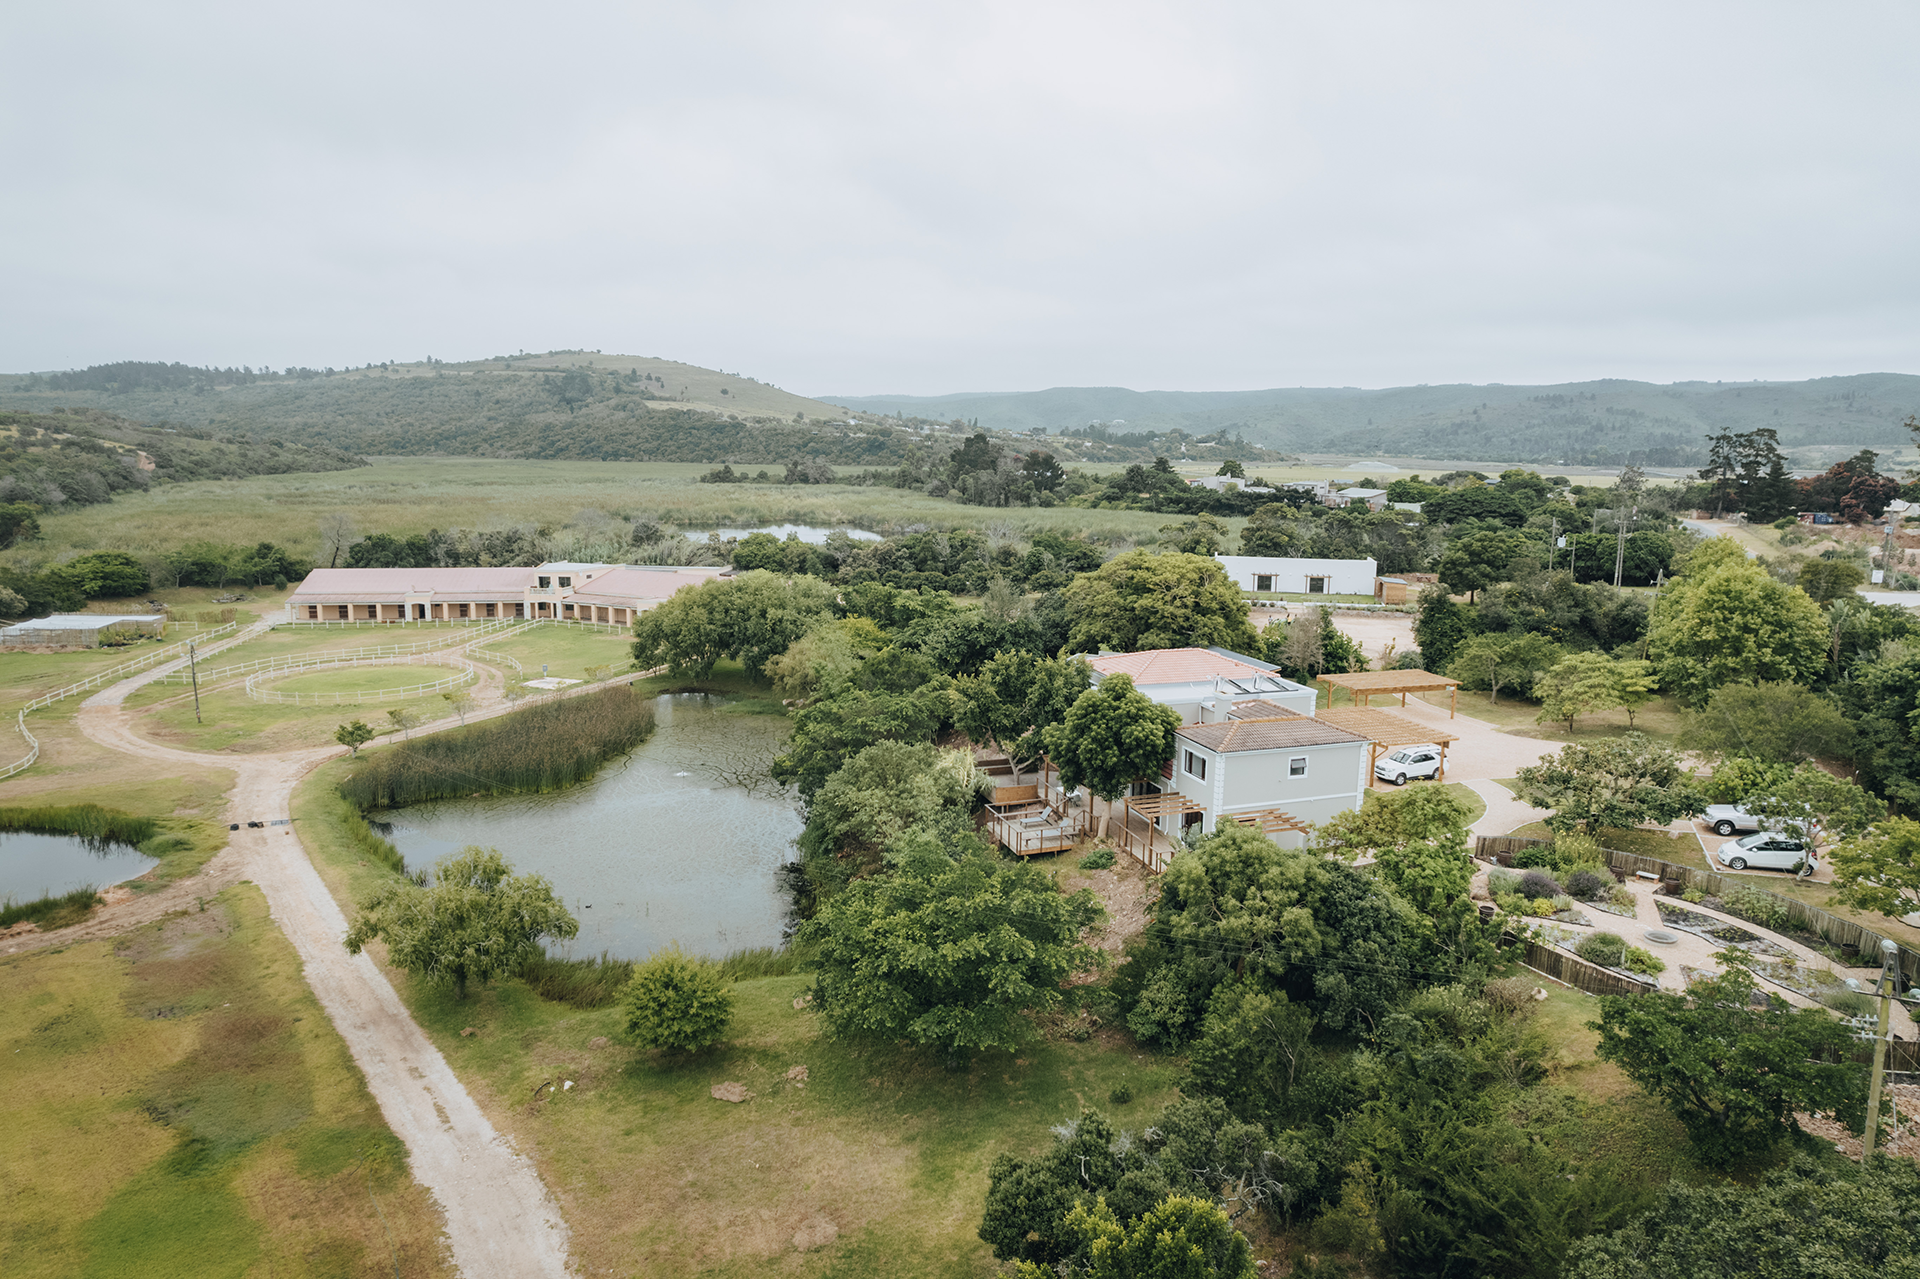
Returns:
(923, 198)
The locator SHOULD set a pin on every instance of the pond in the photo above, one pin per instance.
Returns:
(657, 848)
(34, 865)
(807, 532)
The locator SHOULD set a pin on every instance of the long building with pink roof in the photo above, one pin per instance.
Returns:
(613, 593)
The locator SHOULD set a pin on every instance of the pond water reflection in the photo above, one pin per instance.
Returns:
(33, 865)
(657, 848)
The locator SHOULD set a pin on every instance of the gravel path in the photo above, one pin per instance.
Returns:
(501, 1221)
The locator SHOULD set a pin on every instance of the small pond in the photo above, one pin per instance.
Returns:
(34, 866)
(807, 533)
(659, 847)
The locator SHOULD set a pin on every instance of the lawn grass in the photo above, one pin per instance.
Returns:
(1658, 719)
(229, 720)
(355, 679)
(567, 651)
(178, 1104)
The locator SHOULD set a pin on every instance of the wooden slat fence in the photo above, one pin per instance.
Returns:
(1578, 973)
(1840, 931)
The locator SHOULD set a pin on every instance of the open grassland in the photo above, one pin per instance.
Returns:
(229, 720)
(566, 651)
(353, 679)
(1658, 719)
(178, 1105)
(74, 769)
(404, 496)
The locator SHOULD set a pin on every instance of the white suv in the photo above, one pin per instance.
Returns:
(1409, 762)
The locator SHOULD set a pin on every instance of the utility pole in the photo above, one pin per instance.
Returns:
(1553, 544)
(1620, 545)
(1889, 957)
(195, 672)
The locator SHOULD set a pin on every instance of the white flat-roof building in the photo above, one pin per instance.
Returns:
(613, 593)
(1204, 683)
(1300, 576)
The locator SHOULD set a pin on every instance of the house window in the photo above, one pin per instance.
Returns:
(463, 610)
(545, 582)
(1263, 582)
(567, 607)
(346, 612)
(490, 609)
(1297, 766)
(1316, 586)
(566, 581)
(373, 612)
(1197, 765)
(520, 610)
(313, 611)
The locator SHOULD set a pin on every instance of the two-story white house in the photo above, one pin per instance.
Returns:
(1261, 758)
(1300, 575)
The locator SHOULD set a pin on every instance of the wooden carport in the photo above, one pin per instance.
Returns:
(1387, 731)
(1368, 684)
(1150, 808)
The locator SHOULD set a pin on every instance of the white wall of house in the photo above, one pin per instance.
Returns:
(1334, 781)
(1280, 573)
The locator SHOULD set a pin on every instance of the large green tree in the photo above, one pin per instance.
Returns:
(882, 792)
(829, 733)
(1725, 620)
(1772, 723)
(1183, 1237)
(1444, 626)
(104, 574)
(1578, 684)
(677, 1001)
(1016, 697)
(1810, 1220)
(1812, 803)
(1879, 869)
(1478, 560)
(476, 922)
(1141, 600)
(1112, 736)
(753, 618)
(1882, 699)
(1733, 1075)
(1619, 782)
(956, 955)
(1496, 661)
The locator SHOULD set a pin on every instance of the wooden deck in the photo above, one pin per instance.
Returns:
(1033, 829)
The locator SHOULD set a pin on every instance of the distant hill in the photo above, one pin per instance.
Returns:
(560, 405)
(1608, 422)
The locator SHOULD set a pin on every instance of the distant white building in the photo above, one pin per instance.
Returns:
(79, 630)
(1300, 576)
(1227, 484)
(1374, 499)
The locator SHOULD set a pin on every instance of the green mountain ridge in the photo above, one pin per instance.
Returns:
(1606, 422)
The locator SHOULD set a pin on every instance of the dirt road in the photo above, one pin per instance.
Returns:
(501, 1222)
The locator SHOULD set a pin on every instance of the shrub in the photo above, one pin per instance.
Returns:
(1642, 961)
(1501, 881)
(1512, 903)
(1609, 950)
(1120, 1096)
(1560, 903)
(1762, 908)
(1585, 885)
(678, 1001)
(1622, 897)
(1575, 849)
(1536, 857)
(1098, 859)
(1512, 996)
(1541, 907)
(1694, 896)
(1537, 883)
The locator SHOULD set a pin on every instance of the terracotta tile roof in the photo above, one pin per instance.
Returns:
(1277, 734)
(370, 583)
(1172, 666)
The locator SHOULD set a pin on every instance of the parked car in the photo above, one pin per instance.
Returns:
(1766, 850)
(1728, 818)
(1409, 761)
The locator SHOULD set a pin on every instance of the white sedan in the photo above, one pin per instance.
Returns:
(1766, 851)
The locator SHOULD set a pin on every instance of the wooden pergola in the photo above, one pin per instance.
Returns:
(1385, 731)
(1270, 822)
(1368, 684)
(1151, 808)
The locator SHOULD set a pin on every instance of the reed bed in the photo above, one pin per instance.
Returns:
(88, 820)
(597, 983)
(542, 748)
(367, 841)
(56, 910)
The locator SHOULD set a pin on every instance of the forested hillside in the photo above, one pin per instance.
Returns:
(1608, 422)
(86, 456)
(564, 405)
